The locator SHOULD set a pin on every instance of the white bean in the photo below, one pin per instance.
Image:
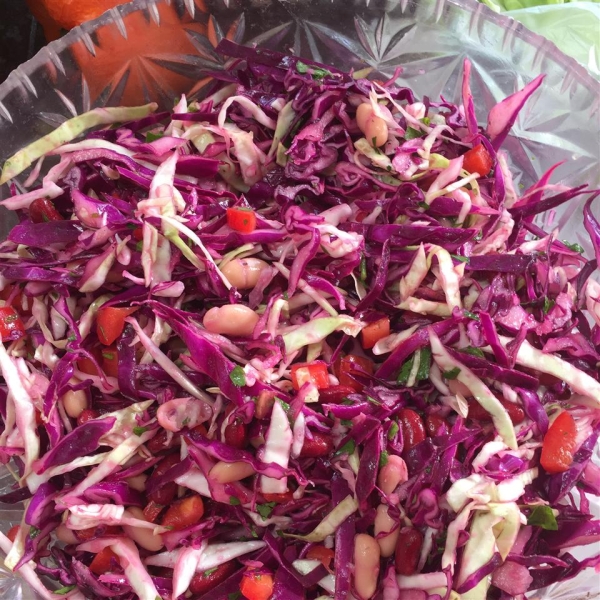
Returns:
(224, 472)
(374, 127)
(366, 565)
(137, 482)
(243, 273)
(391, 474)
(64, 534)
(142, 537)
(383, 524)
(231, 319)
(74, 402)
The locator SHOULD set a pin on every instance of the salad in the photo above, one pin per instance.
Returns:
(304, 338)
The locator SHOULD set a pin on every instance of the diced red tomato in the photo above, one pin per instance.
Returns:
(559, 444)
(138, 234)
(164, 494)
(102, 562)
(325, 555)
(264, 404)
(159, 442)
(87, 414)
(436, 425)
(315, 373)
(205, 582)
(110, 323)
(152, 511)
(335, 394)
(86, 365)
(279, 498)
(184, 513)
(256, 585)
(12, 533)
(345, 367)
(478, 413)
(374, 332)
(17, 297)
(478, 160)
(43, 210)
(11, 326)
(320, 444)
(241, 219)
(408, 550)
(110, 361)
(413, 430)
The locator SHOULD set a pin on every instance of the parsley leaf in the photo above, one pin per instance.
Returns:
(393, 430)
(64, 590)
(575, 247)
(424, 364)
(412, 133)
(238, 376)
(452, 373)
(347, 448)
(473, 351)
(234, 501)
(383, 459)
(543, 516)
(265, 510)
(151, 137)
(139, 430)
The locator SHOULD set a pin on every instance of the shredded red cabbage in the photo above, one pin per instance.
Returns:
(302, 338)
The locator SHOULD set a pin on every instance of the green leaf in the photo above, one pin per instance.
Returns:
(238, 376)
(316, 72)
(471, 315)
(575, 247)
(139, 246)
(347, 448)
(405, 370)
(412, 134)
(383, 459)
(234, 596)
(473, 351)
(373, 401)
(424, 364)
(301, 67)
(234, 501)
(393, 430)
(548, 305)
(452, 373)
(209, 572)
(460, 258)
(65, 590)
(265, 510)
(108, 355)
(346, 422)
(363, 268)
(34, 532)
(543, 516)
(139, 430)
(425, 120)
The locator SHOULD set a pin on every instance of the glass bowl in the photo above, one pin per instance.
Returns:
(157, 49)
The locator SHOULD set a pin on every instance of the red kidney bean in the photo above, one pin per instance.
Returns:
(413, 430)
(335, 394)
(408, 550)
(159, 442)
(436, 425)
(321, 444)
(236, 434)
(478, 413)
(167, 492)
(87, 415)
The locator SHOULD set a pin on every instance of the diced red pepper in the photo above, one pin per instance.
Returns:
(478, 160)
(413, 430)
(279, 498)
(43, 210)
(110, 361)
(110, 323)
(103, 561)
(152, 511)
(352, 364)
(204, 582)
(12, 533)
(87, 414)
(11, 326)
(236, 434)
(164, 494)
(559, 444)
(325, 555)
(241, 219)
(184, 513)
(374, 332)
(315, 373)
(256, 585)
(138, 234)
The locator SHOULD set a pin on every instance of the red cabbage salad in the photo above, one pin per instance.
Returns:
(301, 339)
